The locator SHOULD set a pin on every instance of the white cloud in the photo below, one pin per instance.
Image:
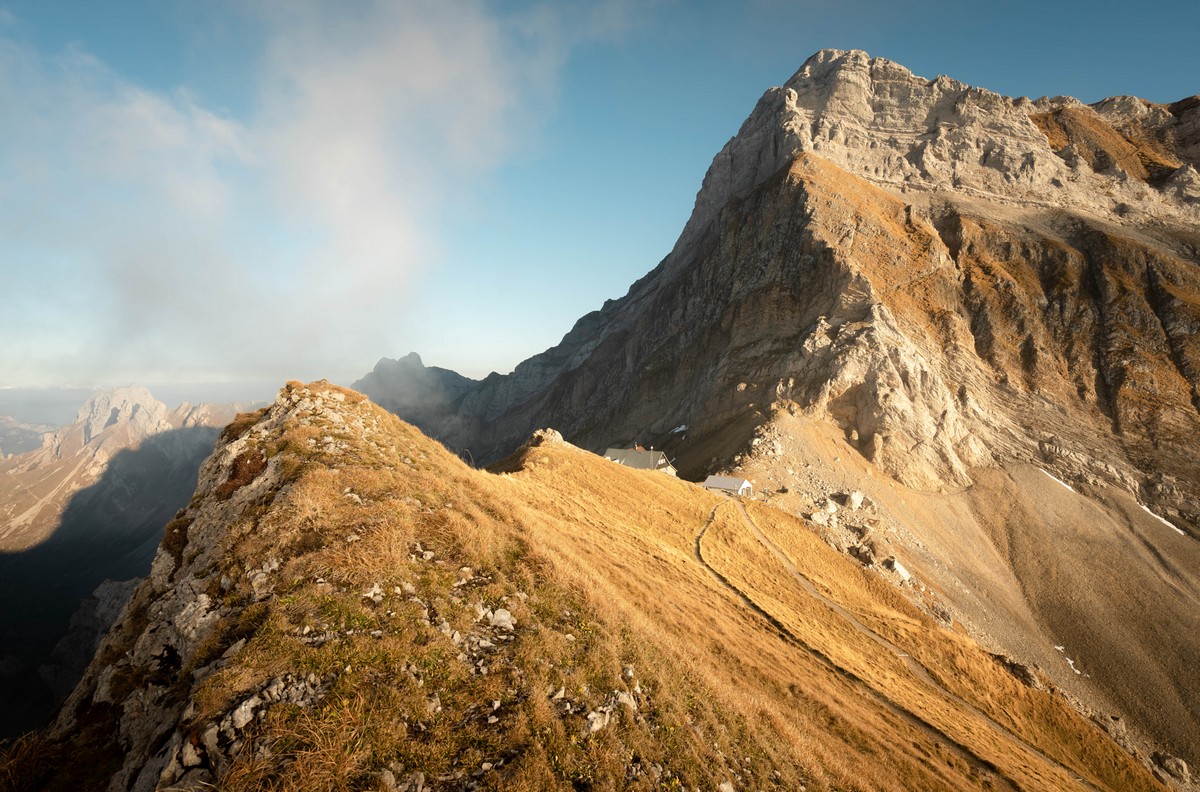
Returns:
(372, 118)
(147, 236)
(96, 172)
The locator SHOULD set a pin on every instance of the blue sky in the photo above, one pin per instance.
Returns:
(265, 190)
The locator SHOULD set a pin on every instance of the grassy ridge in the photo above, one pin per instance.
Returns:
(388, 565)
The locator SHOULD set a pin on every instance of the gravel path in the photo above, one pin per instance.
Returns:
(916, 668)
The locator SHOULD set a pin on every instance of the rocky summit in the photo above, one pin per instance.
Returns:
(984, 311)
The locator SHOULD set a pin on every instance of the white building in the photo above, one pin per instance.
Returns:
(729, 484)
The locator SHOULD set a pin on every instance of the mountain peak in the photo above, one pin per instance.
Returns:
(876, 119)
(412, 358)
(830, 61)
(131, 405)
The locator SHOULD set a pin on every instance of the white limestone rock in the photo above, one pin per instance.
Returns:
(878, 120)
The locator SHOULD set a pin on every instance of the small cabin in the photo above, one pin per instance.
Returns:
(641, 459)
(728, 484)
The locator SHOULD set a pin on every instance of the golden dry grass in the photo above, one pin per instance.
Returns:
(957, 663)
(654, 526)
(1101, 145)
(597, 563)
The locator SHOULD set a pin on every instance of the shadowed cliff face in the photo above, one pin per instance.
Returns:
(87, 505)
(109, 530)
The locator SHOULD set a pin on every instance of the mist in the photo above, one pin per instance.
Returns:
(152, 238)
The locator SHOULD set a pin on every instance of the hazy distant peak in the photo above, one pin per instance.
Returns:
(123, 396)
(131, 405)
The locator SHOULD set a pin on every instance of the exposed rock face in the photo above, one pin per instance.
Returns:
(179, 601)
(427, 397)
(877, 120)
(958, 282)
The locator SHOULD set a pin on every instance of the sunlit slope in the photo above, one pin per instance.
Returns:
(345, 605)
(759, 640)
(1080, 582)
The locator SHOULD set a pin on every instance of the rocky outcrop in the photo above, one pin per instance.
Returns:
(877, 120)
(180, 603)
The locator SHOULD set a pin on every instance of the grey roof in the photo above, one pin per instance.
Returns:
(727, 483)
(641, 460)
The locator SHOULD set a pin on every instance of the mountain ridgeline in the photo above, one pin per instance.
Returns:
(345, 604)
(992, 303)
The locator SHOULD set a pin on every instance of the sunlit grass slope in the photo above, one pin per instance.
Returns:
(638, 657)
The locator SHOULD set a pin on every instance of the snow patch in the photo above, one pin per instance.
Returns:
(1060, 481)
(680, 428)
(1062, 649)
(1164, 521)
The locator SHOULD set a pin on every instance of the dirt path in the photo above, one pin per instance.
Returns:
(916, 668)
(27, 517)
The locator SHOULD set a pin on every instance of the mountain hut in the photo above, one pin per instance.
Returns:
(641, 459)
(728, 484)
